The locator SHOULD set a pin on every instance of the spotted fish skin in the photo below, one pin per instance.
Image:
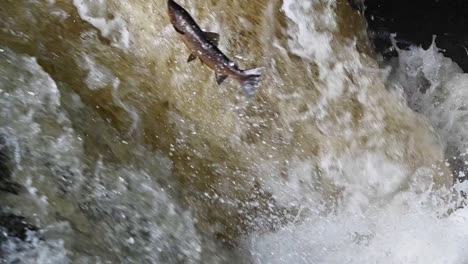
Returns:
(204, 45)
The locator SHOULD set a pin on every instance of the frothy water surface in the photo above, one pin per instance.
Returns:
(130, 155)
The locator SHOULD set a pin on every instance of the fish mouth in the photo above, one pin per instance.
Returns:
(171, 8)
(172, 5)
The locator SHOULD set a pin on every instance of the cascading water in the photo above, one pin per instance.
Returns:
(130, 155)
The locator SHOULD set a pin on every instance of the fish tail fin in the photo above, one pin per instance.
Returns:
(251, 81)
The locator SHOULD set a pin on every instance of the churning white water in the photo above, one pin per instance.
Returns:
(377, 221)
(355, 158)
(53, 148)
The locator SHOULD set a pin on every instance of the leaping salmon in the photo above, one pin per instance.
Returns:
(204, 45)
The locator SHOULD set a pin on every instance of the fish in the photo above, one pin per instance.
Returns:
(204, 45)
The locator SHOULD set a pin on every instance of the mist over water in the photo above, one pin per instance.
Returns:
(128, 154)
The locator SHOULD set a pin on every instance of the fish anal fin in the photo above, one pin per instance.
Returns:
(213, 37)
(220, 78)
(191, 57)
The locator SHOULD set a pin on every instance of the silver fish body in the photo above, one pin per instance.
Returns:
(203, 45)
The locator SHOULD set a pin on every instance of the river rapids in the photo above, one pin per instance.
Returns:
(126, 153)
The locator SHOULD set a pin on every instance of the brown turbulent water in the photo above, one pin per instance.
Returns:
(159, 147)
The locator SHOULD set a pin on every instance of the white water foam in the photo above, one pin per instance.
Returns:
(380, 217)
(28, 96)
(132, 112)
(114, 29)
(312, 36)
(129, 217)
(436, 87)
(382, 214)
(99, 76)
(401, 231)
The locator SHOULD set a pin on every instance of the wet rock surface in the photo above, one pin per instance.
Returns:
(6, 184)
(416, 22)
(11, 225)
(15, 226)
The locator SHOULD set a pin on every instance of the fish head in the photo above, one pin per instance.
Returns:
(176, 13)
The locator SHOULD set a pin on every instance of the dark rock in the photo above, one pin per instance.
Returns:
(12, 187)
(15, 226)
(5, 160)
(416, 22)
(11, 225)
(6, 183)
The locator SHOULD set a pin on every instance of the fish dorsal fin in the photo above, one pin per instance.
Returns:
(220, 78)
(191, 57)
(212, 37)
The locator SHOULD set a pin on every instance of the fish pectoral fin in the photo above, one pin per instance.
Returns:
(220, 78)
(191, 57)
(213, 37)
